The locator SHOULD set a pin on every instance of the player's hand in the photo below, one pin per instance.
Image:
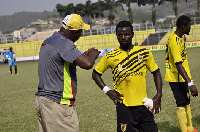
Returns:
(92, 52)
(156, 104)
(86, 52)
(193, 90)
(115, 96)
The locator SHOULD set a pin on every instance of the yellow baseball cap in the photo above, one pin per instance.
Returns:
(74, 22)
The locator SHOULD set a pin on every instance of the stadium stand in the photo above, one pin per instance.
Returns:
(104, 41)
(141, 36)
(193, 36)
(153, 39)
(108, 41)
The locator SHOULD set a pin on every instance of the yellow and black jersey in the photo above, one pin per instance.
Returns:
(129, 72)
(175, 53)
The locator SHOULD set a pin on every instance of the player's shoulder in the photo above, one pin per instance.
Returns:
(112, 51)
(172, 35)
(8, 52)
(140, 48)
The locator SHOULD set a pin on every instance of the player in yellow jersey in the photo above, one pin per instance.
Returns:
(178, 73)
(129, 65)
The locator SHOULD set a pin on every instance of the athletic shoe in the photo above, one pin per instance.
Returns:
(11, 74)
(16, 74)
(195, 130)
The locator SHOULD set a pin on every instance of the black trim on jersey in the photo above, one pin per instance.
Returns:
(154, 72)
(129, 57)
(178, 77)
(130, 63)
(129, 70)
(128, 75)
(97, 72)
(111, 54)
(183, 53)
(135, 58)
(177, 40)
(167, 46)
(180, 62)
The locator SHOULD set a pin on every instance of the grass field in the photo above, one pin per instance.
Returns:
(96, 111)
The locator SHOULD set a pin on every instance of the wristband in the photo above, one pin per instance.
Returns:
(190, 83)
(106, 89)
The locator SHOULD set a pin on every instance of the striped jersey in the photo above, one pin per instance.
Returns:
(56, 71)
(175, 53)
(129, 72)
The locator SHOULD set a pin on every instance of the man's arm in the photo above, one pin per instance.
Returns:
(5, 55)
(157, 98)
(87, 60)
(183, 73)
(115, 96)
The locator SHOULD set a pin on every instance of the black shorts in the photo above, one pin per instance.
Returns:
(134, 119)
(181, 93)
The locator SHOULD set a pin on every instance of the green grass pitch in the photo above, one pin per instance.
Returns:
(96, 111)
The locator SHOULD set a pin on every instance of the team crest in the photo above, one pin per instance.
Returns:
(120, 68)
(123, 127)
(140, 58)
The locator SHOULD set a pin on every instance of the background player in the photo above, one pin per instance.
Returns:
(178, 73)
(11, 62)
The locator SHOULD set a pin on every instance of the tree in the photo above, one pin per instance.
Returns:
(154, 12)
(198, 7)
(60, 9)
(101, 6)
(65, 10)
(80, 9)
(112, 6)
(174, 6)
(88, 11)
(130, 11)
(70, 8)
(150, 2)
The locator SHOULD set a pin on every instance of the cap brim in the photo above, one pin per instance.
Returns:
(86, 27)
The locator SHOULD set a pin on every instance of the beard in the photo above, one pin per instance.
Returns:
(125, 46)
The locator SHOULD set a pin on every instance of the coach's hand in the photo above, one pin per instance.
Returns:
(92, 52)
(193, 90)
(115, 96)
(156, 104)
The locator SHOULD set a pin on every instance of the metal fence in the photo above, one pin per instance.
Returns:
(145, 33)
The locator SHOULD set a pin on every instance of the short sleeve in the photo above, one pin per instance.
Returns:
(175, 50)
(69, 52)
(102, 66)
(151, 64)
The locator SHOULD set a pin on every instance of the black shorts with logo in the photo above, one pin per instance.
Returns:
(181, 93)
(134, 119)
